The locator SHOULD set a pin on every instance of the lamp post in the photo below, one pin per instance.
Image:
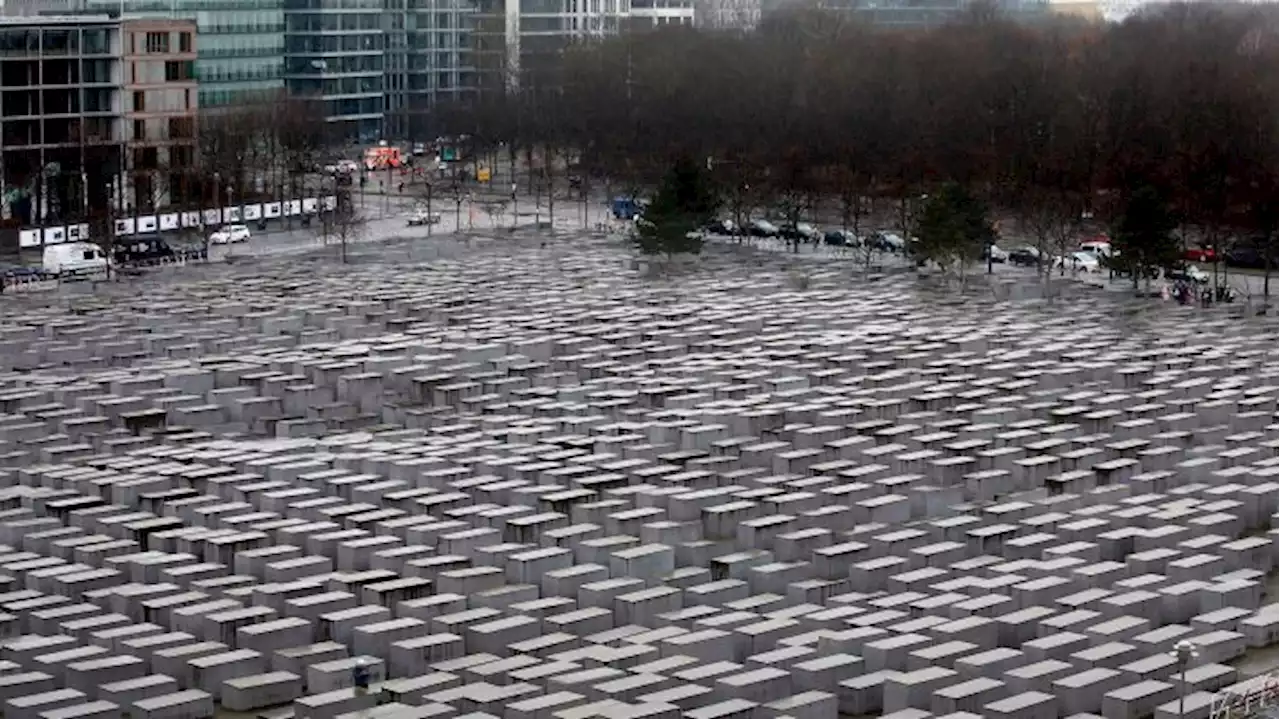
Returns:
(429, 220)
(1184, 651)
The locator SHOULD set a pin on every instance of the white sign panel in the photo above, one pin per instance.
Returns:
(309, 204)
(252, 212)
(76, 233)
(125, 226)
(148, 223)
(55, 235)
(271, 210)
(29, 238)
(293, 207)
(213, 217)
(191, 219)
(231, 214)
(169, 221)
(330, 202)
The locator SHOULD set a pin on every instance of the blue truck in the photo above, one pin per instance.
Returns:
(627, 208)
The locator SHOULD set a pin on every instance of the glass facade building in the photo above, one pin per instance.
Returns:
(336, 52)
(61, 121)
(428, 61)
(377, 66)
(241, 50)
(514, 39)
(929, 13)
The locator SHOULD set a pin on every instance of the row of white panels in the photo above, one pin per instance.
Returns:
(172, 221)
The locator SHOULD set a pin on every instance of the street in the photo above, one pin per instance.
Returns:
(454, 218)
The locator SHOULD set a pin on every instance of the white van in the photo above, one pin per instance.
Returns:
(1097, 248)
(74, 258)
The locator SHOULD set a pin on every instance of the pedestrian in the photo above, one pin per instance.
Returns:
(401, 187)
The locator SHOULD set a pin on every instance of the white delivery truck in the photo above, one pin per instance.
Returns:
(74, 258)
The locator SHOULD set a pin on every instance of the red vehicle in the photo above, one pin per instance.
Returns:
(1200, 254)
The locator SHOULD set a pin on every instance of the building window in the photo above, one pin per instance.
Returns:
(146, 158)
(158, 42)
(181, 128)
(139, 129)
(96, 42)
(139, 101)
(186, 99)
(184, 42)
(178, 70)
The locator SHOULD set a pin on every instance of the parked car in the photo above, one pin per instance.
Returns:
(802, 231)
(841, 238)
(1116, 265)
(342, 167)
(1097, 247)
(1200, 254)
(888, 241)
(762, 228)
(422, 217)
(995, 254)
(1024, 256)
(720, 227)
(1079, 262)
(142, 249)
(24, 274)
(230, 234)
(1187, 273)
(1247, 256)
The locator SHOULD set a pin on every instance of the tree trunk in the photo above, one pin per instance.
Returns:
(551, 187)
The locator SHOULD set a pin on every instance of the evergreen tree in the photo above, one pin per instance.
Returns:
(952, 229)
(1143, 237)
(685, 202)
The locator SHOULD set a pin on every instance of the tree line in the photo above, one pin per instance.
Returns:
(1051, 123)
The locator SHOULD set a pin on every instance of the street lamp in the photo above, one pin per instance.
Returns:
(1184, 651)
(217, 195)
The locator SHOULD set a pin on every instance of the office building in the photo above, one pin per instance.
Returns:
(646, 14)
(428, 63)
(241, 50)
(1090, 10)
(378, 66)
(336, 53)
(513, 38)
(97, 118)
(160, 105)
(27, 8)
(926, 13)
(61, 120)
(725, 14)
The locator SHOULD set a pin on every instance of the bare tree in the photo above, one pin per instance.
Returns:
(1040, 120)
(346, 223)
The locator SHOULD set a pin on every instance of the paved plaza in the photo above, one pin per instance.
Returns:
(513, 476)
